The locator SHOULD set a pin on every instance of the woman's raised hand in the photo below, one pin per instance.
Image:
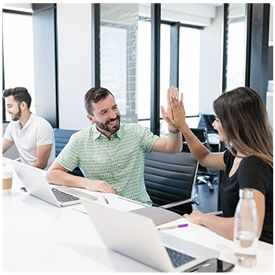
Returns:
(176, 117)
(171, 93)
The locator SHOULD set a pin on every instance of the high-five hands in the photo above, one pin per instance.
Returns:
(175, 115)
(168, 116)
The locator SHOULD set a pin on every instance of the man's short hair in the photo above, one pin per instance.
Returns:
(20, 95)
(93, 96)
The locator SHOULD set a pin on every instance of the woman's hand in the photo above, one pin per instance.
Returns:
(194, 217)
(176, 117)
(171, 93)
(220, 225)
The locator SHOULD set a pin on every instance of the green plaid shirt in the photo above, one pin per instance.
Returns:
(118, 161)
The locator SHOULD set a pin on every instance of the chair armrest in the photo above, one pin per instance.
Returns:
(216, 213)
(174, 204)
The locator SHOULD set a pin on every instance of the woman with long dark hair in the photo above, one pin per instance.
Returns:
(242, 122)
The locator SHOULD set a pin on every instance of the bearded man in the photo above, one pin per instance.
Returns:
(32, 135)
(110, 154)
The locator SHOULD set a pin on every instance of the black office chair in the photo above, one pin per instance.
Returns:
(169, 180)
(62, 137)
(206, 121)
(204, 175)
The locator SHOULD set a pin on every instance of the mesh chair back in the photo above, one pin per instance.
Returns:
(206, 122)
(170, 178)
(62, 137)
(201, 134)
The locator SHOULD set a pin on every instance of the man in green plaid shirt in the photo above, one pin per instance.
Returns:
(110, 154)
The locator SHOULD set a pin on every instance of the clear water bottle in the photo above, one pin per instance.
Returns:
(246, 229)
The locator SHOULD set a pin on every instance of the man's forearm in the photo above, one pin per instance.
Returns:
(6, 144)
(174, 141)
(60, 177)
(40, 165)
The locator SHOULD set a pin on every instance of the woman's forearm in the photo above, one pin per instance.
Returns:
(198, 150)
(220, 225)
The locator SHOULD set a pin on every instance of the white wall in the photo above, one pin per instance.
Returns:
(211, 63)
(74, 63)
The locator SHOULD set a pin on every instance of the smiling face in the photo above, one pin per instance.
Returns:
(218, 126)
(13, 108)
(106, 116)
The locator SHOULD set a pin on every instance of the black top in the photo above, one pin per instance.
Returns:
(252, 173)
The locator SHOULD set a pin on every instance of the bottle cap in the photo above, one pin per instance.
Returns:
(246, 193)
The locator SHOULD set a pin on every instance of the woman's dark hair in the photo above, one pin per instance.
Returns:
(93, 96)
(245, 122)
(20, 94)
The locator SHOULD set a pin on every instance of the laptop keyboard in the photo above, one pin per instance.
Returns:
(178, 258)
(62, 196)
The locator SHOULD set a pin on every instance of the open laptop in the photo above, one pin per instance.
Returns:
(135, 236)
(36, 184)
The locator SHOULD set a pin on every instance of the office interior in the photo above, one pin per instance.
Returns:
(58, 51)
(136, 51)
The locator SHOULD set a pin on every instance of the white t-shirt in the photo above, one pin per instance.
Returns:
(36, 132)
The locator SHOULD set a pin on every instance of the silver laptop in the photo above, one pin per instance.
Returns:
(36, 184)
(135, 236)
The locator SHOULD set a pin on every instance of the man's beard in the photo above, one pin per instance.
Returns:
(16, 116)
(106, 127)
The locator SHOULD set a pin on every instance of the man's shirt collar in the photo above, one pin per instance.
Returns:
(119, 134)
(29, 122)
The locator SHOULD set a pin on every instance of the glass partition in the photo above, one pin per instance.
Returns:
(125, 59)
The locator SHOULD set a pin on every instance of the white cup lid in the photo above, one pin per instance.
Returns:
(6, 172)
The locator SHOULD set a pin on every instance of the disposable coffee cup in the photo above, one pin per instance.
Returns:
(7, 176)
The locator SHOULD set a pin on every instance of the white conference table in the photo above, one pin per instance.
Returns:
(39, 237)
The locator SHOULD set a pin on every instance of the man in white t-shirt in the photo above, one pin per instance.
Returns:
(32, 135)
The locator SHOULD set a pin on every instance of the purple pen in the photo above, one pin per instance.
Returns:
(105, 199)
(173, 226)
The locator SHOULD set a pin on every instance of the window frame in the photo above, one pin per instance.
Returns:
(4, 118)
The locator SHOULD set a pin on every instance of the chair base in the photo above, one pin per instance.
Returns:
(202, 179)
(205, 180)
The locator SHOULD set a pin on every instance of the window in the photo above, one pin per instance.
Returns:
(125, 59)
(125, 62)
(236, 46)
(188, 72)
(18, 53)
(189, 69)
(165, 32)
